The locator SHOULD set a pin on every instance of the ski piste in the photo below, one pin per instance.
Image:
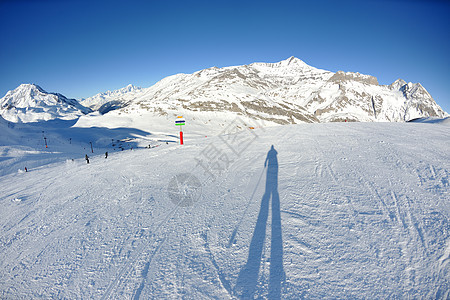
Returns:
(363, 211)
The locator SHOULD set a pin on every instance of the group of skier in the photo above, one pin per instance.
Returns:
(87, 157)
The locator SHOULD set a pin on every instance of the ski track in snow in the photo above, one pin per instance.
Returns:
(364, 214)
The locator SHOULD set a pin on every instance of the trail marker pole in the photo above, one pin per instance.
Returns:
(92, 149)
(45, 140)
(180, 122)
(181, 137)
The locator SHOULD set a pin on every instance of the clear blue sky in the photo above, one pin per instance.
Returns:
(80, 48)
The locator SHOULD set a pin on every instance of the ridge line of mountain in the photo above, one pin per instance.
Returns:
(289, 91)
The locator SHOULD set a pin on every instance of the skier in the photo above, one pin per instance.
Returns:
(106, 154)
(87, 158)
(26, 170)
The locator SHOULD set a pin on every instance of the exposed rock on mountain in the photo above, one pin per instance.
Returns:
(286, 92)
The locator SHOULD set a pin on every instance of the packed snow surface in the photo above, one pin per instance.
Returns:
(322, 211)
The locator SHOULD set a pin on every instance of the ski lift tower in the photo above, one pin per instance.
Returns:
(180, 122)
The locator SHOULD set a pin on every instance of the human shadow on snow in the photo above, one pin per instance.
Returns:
(248, 277)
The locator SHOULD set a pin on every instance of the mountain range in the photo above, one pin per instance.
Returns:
(286, 92)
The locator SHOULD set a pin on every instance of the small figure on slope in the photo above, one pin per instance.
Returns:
(106, 154)
(87, 158)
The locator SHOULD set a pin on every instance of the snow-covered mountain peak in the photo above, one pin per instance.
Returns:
(398, 84)
(26, 95)
(25, 86)
(31, 103)
(130, 88)
(30, 87)
(24, 91)
(291, 62)
(408, 87)
(97, 101)
(127, 89)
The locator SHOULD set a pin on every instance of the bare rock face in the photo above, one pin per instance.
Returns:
(341, 76)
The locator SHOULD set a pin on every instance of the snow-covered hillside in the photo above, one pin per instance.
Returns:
(30, 103)
(286, 92)
(315, 211)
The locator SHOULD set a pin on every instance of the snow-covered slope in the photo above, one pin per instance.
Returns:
(30, 103)
(347, 211)
(286, 92)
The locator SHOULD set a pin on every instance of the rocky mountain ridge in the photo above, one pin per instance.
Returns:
(286, 92)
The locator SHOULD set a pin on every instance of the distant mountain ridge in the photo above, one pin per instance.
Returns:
(110, 100)
(286, 92)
